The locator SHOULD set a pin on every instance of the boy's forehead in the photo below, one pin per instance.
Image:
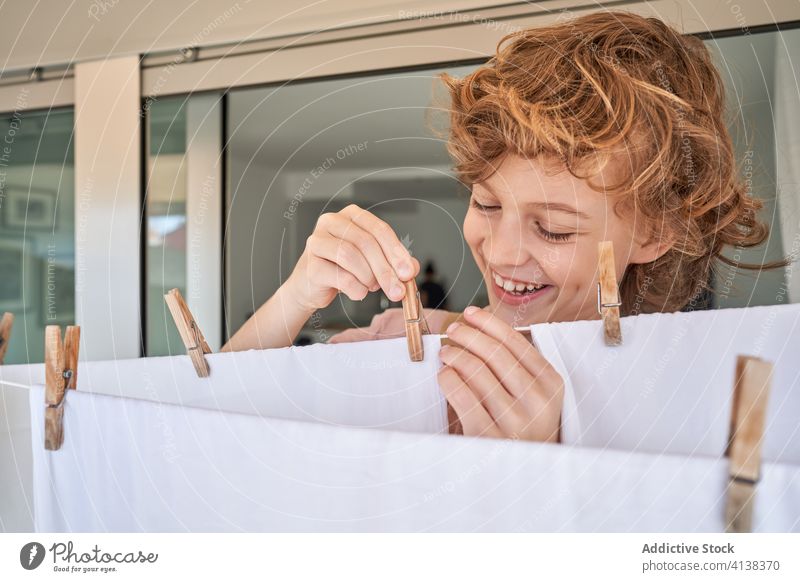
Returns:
(533, 182)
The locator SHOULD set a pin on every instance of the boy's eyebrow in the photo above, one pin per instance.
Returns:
(558, 206)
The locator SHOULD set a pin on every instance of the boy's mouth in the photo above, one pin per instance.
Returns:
(514, 291)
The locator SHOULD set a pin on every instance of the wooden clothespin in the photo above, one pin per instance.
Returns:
(6, 323)
(750, 396)
(61, 374)
(416, 325)
(191, 335)
(608, 302)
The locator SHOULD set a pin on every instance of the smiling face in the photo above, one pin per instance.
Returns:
(534, 237)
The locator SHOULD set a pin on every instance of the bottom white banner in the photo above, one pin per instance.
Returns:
(388, 557)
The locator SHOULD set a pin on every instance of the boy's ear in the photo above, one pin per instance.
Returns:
(650, 246)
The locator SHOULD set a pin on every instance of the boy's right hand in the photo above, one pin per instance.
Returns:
(352, 251)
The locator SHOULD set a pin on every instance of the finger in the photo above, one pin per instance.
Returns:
(394, 250)
(331, 275)
(480, 379)
(506, 367)
(343, 228)
(475, 420)
(344, 254)
(416, 265)
(519, 345)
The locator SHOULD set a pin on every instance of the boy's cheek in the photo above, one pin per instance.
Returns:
(472, 231)
(475, 241)
(568, 268)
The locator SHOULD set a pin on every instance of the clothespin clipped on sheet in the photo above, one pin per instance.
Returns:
(191, 335)
(61, 375)
(608, 302)
(750, 396)
(6, 323)
(415, 321)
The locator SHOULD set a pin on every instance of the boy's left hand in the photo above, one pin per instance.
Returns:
(498, 383)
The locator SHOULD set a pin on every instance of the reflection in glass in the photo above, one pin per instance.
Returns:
(764, 121)
(165, 211)
(300, 150)
(37, 227)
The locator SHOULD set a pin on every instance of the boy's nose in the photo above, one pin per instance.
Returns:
(508, 248)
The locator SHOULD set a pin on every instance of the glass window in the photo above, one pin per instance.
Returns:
(37, 227)
(165, 207)
(764, 121)
(300, 150)
(183, 217)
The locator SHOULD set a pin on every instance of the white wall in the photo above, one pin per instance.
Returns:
(108, 208)
(53, 32)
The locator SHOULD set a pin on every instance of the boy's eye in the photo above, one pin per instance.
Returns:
(553, 236)
(481, 207)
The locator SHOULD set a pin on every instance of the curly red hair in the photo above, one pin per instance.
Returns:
(583, 91)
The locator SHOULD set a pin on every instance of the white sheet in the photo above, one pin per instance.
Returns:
(16, 469)
(668, 387)
(134, 465)
(357, 384)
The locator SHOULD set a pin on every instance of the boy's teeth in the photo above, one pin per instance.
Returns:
(515, 287)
